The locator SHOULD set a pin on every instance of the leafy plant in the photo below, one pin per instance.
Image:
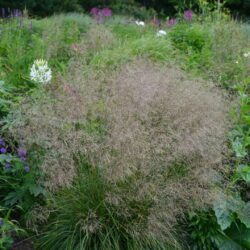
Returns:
(18, 182)
(7, 228)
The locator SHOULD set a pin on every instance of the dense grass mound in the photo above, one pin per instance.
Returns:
(146, 121)
(85, 216)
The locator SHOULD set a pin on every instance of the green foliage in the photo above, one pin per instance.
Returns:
(21, 44)
(7, 229)
(203, 229)
(21, 188)
(219, 229)
(186, 37)
(18, 187)
(240, 136)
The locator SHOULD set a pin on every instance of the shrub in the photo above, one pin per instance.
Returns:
(186, 36)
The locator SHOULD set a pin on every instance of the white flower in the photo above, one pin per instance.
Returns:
(246, 54)
(237, 62)
(40, 72)
(140, 23)
(161, 33)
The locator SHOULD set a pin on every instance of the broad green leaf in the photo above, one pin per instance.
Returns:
(36, 190)
(226, 208)
(239, 233)
(244, 215)
(223, 214)
(223, 242)
(239, 148)
(243, 172)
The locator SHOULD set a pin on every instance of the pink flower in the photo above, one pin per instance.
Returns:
(95, 11)
(75, 47)
(106, 12)
(188, 15)
(156, 21)
(171, 22)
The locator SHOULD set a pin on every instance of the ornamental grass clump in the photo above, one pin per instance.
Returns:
(146, 120)
(89, 215)
(40, 72)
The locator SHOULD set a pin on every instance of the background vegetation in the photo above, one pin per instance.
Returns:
(167, 7)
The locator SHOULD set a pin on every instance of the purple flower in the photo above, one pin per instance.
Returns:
(3, 150)
(156, 21)
(27, 169)
(188, 15)
(106, 12)
(1, 222)
(16, 13)
(95, 11)
(7, 166)
(171, 22)
(3, 13)
(22, 153)
(2, 142)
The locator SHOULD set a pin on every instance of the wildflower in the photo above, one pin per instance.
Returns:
(75, 47)
(3, 150)
(22, 153)
(95, 11)
(3, 13)
(27, 169)
(188, 15)
(140, 23)
(106, 12)
(40, 72)
(247, 54)
(17, 13)
(7, 166)
(237, 62)
(2, 142)
(1, 222)
(171, 22)
(156, 21)
(161, 33)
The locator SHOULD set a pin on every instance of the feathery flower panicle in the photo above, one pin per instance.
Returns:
(40, 72)
(161, 33)
(188, 15)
